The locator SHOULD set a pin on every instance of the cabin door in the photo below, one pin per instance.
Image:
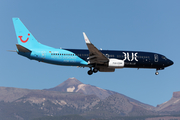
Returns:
(156, 58)
(43, 54)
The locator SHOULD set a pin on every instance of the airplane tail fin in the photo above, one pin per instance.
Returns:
(24, 37)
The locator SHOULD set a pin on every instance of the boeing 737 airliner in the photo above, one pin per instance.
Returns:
(96, 60)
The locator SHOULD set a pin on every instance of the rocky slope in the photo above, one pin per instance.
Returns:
(74, 85)
(8, 94)
(172, 105)
(118, 105)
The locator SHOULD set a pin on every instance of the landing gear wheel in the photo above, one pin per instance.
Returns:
(90, 72)
(95, 70)
(157, 73)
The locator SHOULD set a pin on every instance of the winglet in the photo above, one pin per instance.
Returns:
(95, 56)
(86, 38)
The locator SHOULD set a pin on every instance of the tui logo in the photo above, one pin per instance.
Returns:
(24, 41)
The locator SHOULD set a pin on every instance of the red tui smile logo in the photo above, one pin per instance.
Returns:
(24, 41)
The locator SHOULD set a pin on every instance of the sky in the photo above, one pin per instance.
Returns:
(136, 25)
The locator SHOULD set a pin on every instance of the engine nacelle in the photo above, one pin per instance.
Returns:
(105, 69)
(115, 63)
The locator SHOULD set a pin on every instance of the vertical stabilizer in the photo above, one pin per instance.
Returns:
(24, 37)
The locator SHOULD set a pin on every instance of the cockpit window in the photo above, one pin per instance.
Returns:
(163, 57)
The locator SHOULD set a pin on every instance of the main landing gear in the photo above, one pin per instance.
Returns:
(90, 72)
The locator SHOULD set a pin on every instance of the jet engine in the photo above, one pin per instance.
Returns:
(105, 69)
(115, 63)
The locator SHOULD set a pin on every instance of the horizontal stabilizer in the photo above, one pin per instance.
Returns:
(22, 49)
(11, 50)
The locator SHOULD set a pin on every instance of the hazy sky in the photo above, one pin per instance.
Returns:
(140, 25)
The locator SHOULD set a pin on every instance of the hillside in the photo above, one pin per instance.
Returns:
(172, 105)
(73, 97)
(74, 85)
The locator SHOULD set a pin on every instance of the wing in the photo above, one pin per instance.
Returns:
(95, 56)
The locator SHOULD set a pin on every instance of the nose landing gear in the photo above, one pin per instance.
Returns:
(156, 73)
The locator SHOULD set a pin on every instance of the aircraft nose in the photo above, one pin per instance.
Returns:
(170, 62)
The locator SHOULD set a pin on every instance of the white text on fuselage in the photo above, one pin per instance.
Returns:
(133, 56)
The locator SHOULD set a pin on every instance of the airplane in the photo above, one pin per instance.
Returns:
(96, 60)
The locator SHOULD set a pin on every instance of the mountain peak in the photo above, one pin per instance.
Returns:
(68, 85)
(74, 85)
(70, 82)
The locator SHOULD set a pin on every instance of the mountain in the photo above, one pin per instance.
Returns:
(74, 85)
(72, 97)
(172, 105)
